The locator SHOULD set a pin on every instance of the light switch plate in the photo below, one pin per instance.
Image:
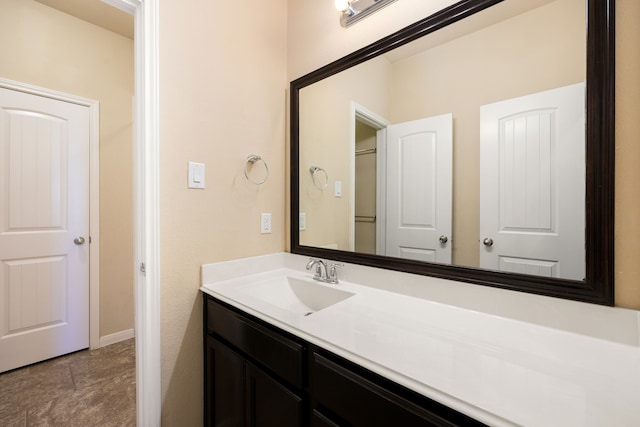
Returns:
(302, 221)
(196, 175)
(338, 189)
(265, 223)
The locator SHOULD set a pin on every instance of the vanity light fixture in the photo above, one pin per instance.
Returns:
(351, 11)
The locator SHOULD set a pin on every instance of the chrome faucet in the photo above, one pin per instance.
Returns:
(324, 274)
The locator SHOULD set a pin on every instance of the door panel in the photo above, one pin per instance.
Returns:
(527, 179)
(36, 287)
(419, 168)
(227, 387)
(270, 404)
(532, 191)
(44, 189)
(528, 266)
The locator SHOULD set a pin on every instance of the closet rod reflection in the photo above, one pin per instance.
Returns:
(365, 151)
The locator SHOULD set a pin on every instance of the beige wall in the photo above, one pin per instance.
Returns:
(47, 48)
(223, 91)
(627, 238)
(326, 121)
(315, 39)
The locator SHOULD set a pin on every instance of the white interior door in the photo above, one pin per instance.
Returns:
(419, 172)
(44, 228)
(532, 184)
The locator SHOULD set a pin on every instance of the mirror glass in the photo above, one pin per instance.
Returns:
(464, 147)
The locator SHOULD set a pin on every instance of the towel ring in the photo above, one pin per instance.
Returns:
(314, 172)
(251, 160)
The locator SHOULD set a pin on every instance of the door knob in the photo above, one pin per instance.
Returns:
(78, 240)
(488, 241)
(443, 239)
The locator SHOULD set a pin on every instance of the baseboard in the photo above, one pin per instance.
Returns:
(117, 337)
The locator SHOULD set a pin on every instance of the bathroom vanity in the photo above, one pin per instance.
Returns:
(257, 374)
(282, 349)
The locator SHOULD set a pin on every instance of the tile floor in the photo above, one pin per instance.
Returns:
(87, 388)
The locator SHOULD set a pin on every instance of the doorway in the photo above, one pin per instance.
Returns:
(402, 186)
(146, 229)
(365, 193)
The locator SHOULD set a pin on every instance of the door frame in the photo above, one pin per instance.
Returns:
(146, 209)
(379, 123)
(94, 191)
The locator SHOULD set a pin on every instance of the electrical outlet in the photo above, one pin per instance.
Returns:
(265, 223)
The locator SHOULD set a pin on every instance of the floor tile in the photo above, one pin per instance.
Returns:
(42, 383)
(110, 403)
(18, 419)
(86, 388)
(93, 367)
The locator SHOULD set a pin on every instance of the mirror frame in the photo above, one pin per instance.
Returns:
(598, 286)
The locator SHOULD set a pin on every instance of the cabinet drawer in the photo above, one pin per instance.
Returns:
(270, 350)
(347, 398)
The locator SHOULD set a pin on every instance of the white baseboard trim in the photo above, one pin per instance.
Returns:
(117, 337)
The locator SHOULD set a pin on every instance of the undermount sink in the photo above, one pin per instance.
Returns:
(299, 296)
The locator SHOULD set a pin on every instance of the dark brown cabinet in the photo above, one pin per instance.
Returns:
(225, 385)
(343, 394)
(241, 394)
(269, 403)
(253, 375)
(258, 375)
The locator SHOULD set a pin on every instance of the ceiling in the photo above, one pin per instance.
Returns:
(96, 12)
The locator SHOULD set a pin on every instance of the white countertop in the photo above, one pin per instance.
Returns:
(499, 370)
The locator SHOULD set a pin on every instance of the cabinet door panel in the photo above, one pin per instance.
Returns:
(319, 420)
(225, 386)
(269, 403)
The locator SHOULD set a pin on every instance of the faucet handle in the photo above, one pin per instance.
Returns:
(333, 271)
(311, 263)
(321, 268)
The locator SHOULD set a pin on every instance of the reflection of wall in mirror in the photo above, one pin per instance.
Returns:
(479, 73)
(326, 122)
(458, 76)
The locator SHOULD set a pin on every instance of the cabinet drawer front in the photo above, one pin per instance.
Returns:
(276, 353)
(348, 398)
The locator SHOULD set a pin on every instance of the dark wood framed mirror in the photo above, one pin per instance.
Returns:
(599, 142)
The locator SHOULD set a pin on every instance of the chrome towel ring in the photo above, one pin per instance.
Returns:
(252, 160)
(314, 177)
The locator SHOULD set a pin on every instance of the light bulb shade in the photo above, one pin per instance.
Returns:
(341, 5)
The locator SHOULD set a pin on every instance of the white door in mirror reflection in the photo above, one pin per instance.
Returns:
(532, 184)
(419, 182)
